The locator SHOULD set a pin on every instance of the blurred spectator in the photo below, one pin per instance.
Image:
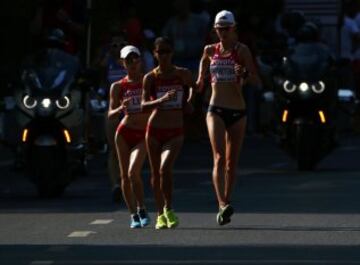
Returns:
(111, 70)
(132, 24)
(188, 31)
(349, 32)
(108, 62)
(147, 50)
(67, 15)
(350, 36)
(356, 59)
(247, 34)
(291, 22)
(202, 8)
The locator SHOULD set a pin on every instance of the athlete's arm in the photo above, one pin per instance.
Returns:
(252, 75)
(189, 82)
(204, 66)
(116, 105)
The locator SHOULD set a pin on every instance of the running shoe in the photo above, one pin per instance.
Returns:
(224, 215)
(171, 218)
(161, 222)
(135, 221)
(144, 217)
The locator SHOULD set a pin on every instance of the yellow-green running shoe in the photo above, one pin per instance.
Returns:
(172, 219)
(224, 215)
(161, 222)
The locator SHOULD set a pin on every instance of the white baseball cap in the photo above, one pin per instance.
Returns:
(224, 19)
(127, 50)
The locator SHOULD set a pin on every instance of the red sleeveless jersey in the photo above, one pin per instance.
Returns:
(161, 86)
(131, 90)
(222, 68)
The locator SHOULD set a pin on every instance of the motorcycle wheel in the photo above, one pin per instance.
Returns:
(45, 191)
(50, 177)
(305, 155)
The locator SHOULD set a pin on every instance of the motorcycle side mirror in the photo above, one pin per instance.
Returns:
(346, 95)
(59, 79)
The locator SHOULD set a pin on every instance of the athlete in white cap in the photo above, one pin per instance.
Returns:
(231, 65)
(125, 97)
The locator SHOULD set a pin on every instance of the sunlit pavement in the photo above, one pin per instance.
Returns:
(282, 216)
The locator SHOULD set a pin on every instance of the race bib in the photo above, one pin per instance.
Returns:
(134, 104)
(176, 102)
(223, 73)
(135, 100)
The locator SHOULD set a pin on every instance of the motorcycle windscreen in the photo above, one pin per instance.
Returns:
(50, 73)
(307, 62)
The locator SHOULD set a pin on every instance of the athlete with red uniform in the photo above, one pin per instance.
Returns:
(168, 92)
(125, 96)
(231, 65)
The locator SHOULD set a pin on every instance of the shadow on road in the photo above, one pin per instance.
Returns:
(102, 255)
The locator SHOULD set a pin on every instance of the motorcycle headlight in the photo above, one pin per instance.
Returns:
(29, 102)
(289, 87)
(63, 103)
(46, 103)
(304, 87)
(318, 87)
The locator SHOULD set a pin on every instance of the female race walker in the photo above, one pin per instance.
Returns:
(125, 96)
(231, 65)
(167, 91)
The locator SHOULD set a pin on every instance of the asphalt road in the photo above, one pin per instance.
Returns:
(282, 216)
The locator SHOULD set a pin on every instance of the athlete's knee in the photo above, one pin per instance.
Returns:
(135, 179)
(155, 180)
(134, 173)
(165, 172)
(155, 184)
(219, 160)
(230, 171)
(230, 168)
(125, 179)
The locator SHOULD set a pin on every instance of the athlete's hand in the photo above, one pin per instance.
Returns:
(125, 103)
(200, 84)
(168, 96)
(241, 71)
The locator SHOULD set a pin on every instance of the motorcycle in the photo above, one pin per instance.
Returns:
(306, 96)
(50, 121)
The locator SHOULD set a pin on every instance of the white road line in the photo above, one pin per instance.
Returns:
(81, 233)
(42, 262)
(102, 222)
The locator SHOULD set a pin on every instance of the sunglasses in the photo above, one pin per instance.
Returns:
(132, 59)
(163, 51)
(223, 29)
